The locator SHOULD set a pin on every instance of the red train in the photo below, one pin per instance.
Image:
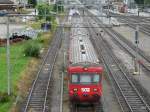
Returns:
(84, 70)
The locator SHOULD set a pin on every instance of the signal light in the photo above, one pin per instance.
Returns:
(75, 89)
(95, 89)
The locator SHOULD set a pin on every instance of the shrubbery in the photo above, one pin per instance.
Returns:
(32, 49)
(4, 97)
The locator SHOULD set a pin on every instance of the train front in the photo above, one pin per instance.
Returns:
(85, 84)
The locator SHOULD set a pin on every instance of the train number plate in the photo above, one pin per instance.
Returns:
(85, 89)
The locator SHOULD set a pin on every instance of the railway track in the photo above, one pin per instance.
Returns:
(128, 46)
(87, 108)
(128, 96)
(145, 28)
(37, 98)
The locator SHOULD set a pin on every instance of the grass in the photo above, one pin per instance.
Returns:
(17, 63)
(4, 107)
(23, 69)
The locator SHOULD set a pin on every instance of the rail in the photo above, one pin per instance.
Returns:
(129, 97)
(39, 90)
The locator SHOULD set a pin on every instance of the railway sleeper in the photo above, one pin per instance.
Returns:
(128, 90)
(35, 103)
(38, 107)
(139, 106)
(136, 103)
(36, 100)
(139, 110)
(131, 99)
(38, 92)
(35, 110)
(130, 93)
(37, 97)
(40, 88)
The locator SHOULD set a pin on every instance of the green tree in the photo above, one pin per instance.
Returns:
(58, 6)
(43, 11)
(139, 1)
(33, 2)
(147, 2)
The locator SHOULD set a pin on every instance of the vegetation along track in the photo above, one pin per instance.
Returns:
(133, 20)
(128, 46)
(37, 98)
(128, 96)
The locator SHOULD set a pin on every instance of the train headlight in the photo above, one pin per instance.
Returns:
(85, 69)
(75, 89)
(95, 89)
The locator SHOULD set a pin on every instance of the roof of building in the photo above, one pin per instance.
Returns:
(6, 2)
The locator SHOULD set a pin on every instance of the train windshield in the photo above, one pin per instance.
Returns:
(85, 78)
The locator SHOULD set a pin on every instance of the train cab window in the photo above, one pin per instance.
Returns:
(96, 78)
(74, 78)
(85, 79)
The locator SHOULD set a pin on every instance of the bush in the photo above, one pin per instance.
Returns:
(32, 49)
(4, 97)
(41, 40)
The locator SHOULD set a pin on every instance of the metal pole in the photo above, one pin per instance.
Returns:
(57, 7)
(136, 53)
(49, 2)
(139, 68)
(109, 11)
(45, 14)
(24, 4)
(61, 97)
(62, 77)
(8, 59)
